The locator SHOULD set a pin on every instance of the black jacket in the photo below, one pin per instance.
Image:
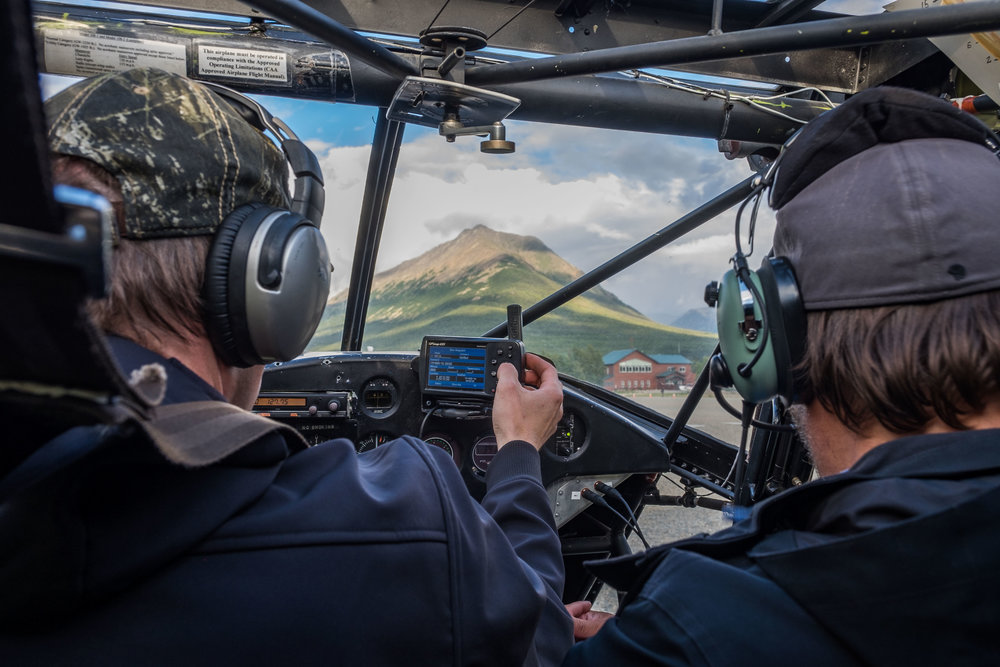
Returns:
(894, 562)
(271, 557)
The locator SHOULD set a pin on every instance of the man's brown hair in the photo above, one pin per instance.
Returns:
(155, 284)
(904, 365)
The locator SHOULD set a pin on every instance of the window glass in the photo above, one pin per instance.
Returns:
(468, 233)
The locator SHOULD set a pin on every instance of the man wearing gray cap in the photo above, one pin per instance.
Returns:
(887, 214)
(220, 548)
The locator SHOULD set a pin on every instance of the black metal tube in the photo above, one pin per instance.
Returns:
(454, 57)
(788, 11)
(701, 481)
(381, 169)
(742, 494)
(680, 501)
(642, 249)
(305, 18)
(690, 403)
(760, 460)
(716, 18)
(644, 106)
(843, 32)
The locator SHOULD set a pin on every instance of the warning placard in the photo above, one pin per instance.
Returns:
(242, 63)
(86, 53)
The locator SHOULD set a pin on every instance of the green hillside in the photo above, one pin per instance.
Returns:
(463, 287)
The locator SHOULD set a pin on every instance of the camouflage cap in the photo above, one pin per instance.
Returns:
(183, 156)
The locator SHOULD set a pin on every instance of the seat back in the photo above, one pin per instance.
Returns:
(55, 368)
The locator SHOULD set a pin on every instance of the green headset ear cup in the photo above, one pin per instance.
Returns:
(737, 313)
(780, 309)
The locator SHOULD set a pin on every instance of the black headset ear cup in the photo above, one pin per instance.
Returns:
(786, 321)
(719, 376)
(267, 278)
(223, 294)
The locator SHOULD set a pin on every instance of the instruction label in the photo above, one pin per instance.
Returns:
(85, 53)
(242, 63)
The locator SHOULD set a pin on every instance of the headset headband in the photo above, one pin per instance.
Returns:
(881, 115)
(308, 198)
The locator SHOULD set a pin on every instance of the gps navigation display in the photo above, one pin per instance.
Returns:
(457, 367)
(466, 367)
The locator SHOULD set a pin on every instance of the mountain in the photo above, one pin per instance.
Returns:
(463, 287)
(697, 320)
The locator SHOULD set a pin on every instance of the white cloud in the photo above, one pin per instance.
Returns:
(344, 171)
(587, 194)
(710, 245)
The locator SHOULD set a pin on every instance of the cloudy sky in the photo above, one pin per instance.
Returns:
(587, 194)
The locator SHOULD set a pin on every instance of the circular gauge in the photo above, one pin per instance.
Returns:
(372, 440)
(443, 442)
(570, 436)
(379, 398)
(483, 452)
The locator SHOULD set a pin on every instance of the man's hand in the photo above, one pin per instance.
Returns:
(532, 412)
(586, 623)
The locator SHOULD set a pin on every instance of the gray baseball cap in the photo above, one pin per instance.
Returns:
(895, 199)
(183, 156)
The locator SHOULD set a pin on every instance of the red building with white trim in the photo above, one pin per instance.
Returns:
(635, 370)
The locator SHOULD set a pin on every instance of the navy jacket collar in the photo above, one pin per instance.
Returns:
(183, 384)
(924, 456)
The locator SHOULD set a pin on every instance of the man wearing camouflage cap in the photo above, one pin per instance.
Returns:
(122, 552)
(887, 213)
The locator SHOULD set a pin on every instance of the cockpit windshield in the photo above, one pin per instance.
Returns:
(467, 233)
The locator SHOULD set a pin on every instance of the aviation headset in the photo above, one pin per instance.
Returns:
(760, 317)
(267, 276)
(760, 314)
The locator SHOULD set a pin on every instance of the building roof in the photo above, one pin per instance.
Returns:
(670, 359)
(615, 356)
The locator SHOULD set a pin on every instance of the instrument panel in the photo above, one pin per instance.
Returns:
(366, 419)
(372, 398)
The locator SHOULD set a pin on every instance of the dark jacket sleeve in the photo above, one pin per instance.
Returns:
(695, 611)
(645, 636)
(517, 501)
(506, 565)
